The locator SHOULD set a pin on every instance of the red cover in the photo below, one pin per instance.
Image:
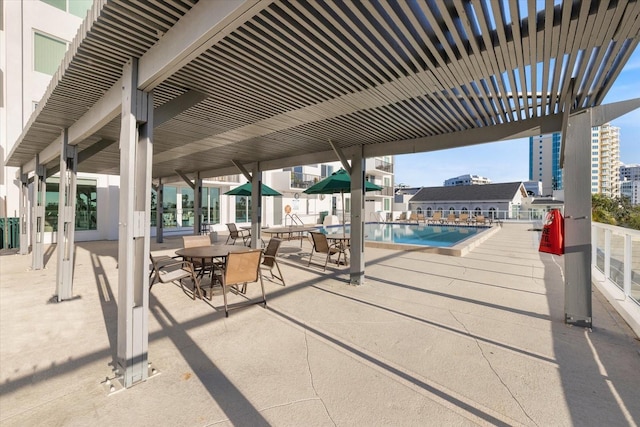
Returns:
(552, 238)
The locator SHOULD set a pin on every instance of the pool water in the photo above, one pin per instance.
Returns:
(413, 234)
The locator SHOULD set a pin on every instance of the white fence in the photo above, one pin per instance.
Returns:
(616, 254)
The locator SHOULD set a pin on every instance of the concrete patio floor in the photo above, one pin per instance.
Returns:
(427, 340)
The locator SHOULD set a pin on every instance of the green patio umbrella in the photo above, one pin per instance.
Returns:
(245, 190)
(338, 182)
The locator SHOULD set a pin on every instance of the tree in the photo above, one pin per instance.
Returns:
(615, 211)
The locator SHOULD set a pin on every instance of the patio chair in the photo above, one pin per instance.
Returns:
(480, 219)
(160, 261)
(413, 218)
(175, 271)
(451, 219)
(421, 218)
(241, 268)
(235, 234)
(402, 217)
(463, 219)
(194, 242)
(321, 245)
(270, 258)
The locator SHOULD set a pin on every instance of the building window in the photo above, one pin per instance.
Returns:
(47, 53)
(477, 211)
(86, 205)
(75, 7)
(387, 204)
(429, 210)
(492, 213)
(243, 207)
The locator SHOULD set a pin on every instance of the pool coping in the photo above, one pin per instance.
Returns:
(461, 249)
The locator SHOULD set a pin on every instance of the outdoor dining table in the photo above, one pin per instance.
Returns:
(342, 242)
(289, 233)
(204, 253)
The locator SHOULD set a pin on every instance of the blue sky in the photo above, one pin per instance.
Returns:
(509, 160)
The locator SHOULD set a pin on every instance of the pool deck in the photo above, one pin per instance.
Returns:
(428, 339)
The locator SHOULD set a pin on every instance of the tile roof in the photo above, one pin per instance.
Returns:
(502, 191)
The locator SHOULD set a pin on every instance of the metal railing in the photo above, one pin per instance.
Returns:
(384, 166)
(303, 180)
(616, 253)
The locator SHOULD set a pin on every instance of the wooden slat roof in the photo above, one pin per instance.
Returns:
(298, 73)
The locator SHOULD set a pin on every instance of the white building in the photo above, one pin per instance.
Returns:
(630, 172)
(33, 40)
(630, 190)
(466, 180)
(605, 160)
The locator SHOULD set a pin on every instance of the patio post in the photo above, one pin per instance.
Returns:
(357, 218)
(256, 206)
(160, 212)
(66, 217)
(197, 205)
(24, 213)
(577, 240)
(37, 216)
(136, 150)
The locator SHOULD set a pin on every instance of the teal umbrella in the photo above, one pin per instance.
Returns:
(338, 182)
(245, 190)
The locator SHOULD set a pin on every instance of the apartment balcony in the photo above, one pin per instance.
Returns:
(379, 165)
(302, 181)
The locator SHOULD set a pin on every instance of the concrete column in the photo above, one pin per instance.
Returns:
(133, 235)
(256, 207)
(197, 204)
(24, 213)
(160, 212)
(37, 216)
(577, 225)
(66, 218)
(357, 218)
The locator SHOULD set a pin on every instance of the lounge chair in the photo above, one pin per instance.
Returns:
(235, 234)
(451, 219)
(462, 219)
(421, 218)
(435, 219)
(480, 219)
(413, 218)
(402, 217)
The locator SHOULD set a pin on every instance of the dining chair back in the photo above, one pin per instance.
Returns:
(270, 258)
(242, 268)
(321, 245)
(195, 241)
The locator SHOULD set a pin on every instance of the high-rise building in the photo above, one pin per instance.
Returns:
(466, 180)
(605, 160)
(544, 162)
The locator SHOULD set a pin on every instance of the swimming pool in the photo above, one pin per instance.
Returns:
(444, 239)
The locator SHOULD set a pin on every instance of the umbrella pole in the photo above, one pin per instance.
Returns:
(344, 223)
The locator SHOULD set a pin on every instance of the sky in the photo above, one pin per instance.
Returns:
(508, 161)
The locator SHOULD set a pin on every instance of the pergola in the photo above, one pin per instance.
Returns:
(199, 89)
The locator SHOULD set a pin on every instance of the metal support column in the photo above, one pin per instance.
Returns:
(197, 204)
(37, 216)
(66, 218)
(357, 218)
(160, 212)
(24, 213)
(577, 208)
(136, 151)
(256, 206)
